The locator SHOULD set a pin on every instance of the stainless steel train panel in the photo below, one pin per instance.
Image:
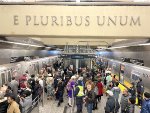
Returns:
(3, 77)
(8, 71)
(131, 72)
(9, 75)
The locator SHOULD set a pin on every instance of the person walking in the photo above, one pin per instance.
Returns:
(60, 91)
(89, 98)
(79, 93)
(100, 90)
(50, 87)
(70, 89)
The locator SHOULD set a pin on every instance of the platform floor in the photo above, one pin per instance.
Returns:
(50, 106)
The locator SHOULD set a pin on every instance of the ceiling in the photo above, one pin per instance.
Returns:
(74, 0)
(94, 43)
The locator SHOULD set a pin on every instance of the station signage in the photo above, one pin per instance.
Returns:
(76, 21)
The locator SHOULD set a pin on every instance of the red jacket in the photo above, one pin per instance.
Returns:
(22, 81)
(100, 88)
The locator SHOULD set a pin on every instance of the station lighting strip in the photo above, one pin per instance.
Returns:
(20, 43)
(146, 44)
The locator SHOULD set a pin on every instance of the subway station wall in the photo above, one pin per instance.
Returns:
(6, 54)
(75, 21)
(140, 52)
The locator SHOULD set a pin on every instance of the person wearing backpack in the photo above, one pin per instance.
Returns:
(112, 104)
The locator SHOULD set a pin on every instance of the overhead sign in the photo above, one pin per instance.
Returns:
(97, 21)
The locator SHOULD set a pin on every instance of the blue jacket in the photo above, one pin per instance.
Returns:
(145, 106)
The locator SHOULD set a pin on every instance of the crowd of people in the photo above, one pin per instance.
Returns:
(84, 87)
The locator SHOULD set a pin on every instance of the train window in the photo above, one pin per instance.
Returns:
(9, 76)
(135, 77)
(3, 78)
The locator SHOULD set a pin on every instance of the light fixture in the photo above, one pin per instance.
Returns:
(117, 47)
(78, 1)
(20, 43)
(146, 44)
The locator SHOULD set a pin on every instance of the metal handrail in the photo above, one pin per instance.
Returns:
(34, 103)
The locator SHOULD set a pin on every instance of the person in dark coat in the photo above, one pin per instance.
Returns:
(60, 91)
(146, 103)
(112, 104)
(132, 91)
(31, 82)
(124, 101)
(79, 93)
(36, 91)
(89, 98)
(131, 105)
(140, 91)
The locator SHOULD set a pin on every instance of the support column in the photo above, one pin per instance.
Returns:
(77, 65)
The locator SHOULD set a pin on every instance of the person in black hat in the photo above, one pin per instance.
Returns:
(146, 103)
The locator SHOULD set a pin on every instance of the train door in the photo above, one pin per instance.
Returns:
(9, 76)
(113, 68)
(18, 70)
(35, 68)
(3, 77)
(121, 77)
(135, 76)
(31, 68)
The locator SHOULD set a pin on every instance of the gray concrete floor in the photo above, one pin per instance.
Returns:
(50, 106)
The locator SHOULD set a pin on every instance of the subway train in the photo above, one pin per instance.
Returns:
(8, 71)
(127, 73)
